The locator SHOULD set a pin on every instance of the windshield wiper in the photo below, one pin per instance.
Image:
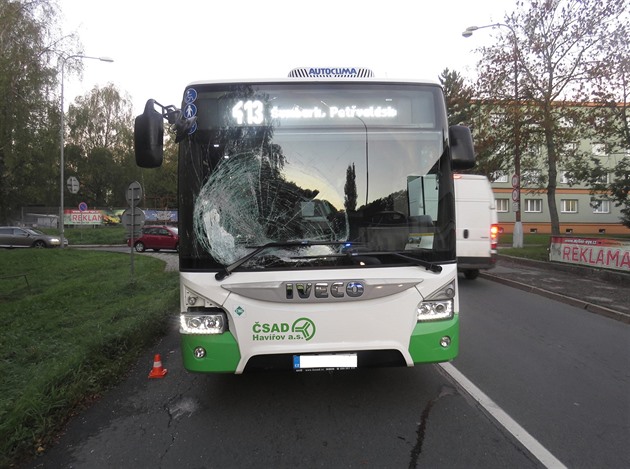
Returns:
(366, 254)
(227, 270)
(421, 262)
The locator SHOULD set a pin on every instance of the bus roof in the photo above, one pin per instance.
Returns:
(318, 80)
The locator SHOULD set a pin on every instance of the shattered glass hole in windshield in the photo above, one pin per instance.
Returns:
(248, 202)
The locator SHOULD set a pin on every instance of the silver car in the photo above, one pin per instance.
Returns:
(16, 237)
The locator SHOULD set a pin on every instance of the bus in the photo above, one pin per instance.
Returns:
(316, 220)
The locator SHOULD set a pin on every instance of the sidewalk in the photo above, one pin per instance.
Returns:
(598, 291)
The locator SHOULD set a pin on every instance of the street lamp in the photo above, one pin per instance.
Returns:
(517, 236)
(63, 60)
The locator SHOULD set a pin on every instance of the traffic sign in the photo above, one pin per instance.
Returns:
(515, 195)
(133, 218)
(83, 206)
(134, 193)
(73, 185)
(515, 181)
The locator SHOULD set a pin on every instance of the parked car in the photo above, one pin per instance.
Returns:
(16, 237)
(156, 238)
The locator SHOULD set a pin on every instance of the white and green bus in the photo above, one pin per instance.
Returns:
(316, 220)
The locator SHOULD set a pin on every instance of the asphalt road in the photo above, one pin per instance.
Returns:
(386, 418)
(561, 371)
(558, 370)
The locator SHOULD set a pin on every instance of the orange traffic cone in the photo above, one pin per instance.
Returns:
(157, 371)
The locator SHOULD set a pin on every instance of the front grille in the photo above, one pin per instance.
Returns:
(365, 359)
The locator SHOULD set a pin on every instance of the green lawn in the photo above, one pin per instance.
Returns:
(106, 234)
(69, 333)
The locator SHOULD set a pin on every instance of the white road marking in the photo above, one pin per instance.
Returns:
(533, 446)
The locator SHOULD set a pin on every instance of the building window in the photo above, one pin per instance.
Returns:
(601, 206)
(534, 150)
(569, 149)
(569, 205)
(566, 178)
(499, 176)
(531, 177)
(598, 149)
(604, 179)
(533, 205)
(503, 205)
(497, 119)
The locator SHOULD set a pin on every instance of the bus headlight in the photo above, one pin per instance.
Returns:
(199, 323)
(435, 310)
(438, 305)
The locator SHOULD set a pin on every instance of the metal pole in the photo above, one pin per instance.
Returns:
(517, 235)
(61, 168)
(133, 209)
(62, 139)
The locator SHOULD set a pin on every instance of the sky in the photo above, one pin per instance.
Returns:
(159, 46)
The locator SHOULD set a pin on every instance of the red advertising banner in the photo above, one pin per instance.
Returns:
(593, 252)
(87, 217)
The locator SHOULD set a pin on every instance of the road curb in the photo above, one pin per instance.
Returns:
(590, 307)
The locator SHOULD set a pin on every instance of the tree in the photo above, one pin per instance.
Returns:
(458, 97)
(28, 116)
(100, 144)
(350, 189)
(490, 129)
(610, 122)
(602, 187)
(160, 184)
(560, 48)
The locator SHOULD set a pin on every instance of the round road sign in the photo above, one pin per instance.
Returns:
(73, 185)
(134, 193)
(133, 218)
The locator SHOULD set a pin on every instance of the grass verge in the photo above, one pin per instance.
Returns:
(69, 333)
(99, 234)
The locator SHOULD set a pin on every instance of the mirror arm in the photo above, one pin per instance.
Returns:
(178, 123)
(170, 113)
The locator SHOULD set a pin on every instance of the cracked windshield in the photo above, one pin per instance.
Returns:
(313, 175)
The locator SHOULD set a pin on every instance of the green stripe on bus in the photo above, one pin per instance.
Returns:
(222, 353)
(424, 346)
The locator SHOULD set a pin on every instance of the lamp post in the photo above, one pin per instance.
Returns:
(63, 59)
(517, 236)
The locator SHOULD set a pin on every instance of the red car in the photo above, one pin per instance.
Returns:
(156, 238)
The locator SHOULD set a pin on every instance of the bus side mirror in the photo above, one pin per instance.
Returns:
(462, 150)
(148, 137)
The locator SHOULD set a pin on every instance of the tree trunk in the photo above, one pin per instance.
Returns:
(552, 159)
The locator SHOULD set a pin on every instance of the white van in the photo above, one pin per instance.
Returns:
(477, 228)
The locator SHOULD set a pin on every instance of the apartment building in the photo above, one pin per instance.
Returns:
(580, 211)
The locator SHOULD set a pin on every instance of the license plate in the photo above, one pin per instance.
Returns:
(337, 361)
